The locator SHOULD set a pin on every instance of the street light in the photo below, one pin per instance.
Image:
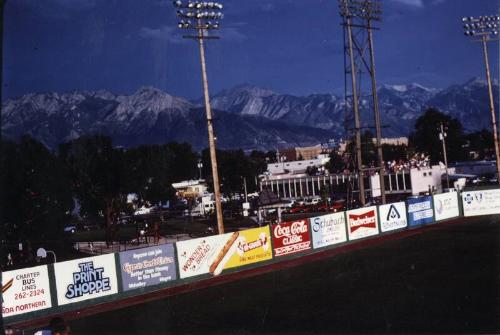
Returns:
(442, 137)
(203, 15)
(485, 29)
(42, 253)
(200, 166)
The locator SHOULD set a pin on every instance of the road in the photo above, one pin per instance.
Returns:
(440, 281)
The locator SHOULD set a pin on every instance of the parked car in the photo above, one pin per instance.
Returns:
(296, 209)
(337, 206)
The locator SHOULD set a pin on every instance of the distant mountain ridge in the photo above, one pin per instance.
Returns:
(246, 116)
(397, 103)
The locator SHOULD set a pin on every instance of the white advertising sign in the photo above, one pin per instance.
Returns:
(446, 206)
(362, 222)
(328, 230)
(25, 290)
(205, 255)
(85, 278)
(484, 202)
(392, 216)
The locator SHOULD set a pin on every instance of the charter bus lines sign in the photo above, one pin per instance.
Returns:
(25, 290)
(362, 222)
(85, 278)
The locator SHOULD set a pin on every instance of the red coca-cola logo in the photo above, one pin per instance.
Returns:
(291, 237)
(295, 228)
(365, 220)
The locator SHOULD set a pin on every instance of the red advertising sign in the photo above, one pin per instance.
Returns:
(291, 237)
(365, 220)
(362, 222)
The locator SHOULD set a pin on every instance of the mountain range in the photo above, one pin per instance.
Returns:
(245, 116)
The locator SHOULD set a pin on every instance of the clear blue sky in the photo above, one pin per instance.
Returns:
(290, 46)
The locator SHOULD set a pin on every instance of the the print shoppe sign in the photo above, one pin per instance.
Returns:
(85, 278)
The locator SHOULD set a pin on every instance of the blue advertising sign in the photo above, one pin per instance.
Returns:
(420, 211)
(147, 266)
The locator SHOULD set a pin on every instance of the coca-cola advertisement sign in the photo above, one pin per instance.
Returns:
(291, 237)
(362, 222)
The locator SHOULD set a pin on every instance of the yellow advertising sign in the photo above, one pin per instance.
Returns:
(252, 246)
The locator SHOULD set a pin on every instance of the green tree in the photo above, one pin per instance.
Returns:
(151, 169)
(336, 163)
(425, 138)
(36, 199)
(368, 150)
(98, 178)
(394, 152)
(233, 166)
(481, 143)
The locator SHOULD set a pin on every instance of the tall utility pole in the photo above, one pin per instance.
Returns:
(376, 112)
(358, 35)
(485, 28)
(357, 122)
(202, 13)
(442, 137)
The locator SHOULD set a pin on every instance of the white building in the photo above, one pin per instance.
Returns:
(295, 168)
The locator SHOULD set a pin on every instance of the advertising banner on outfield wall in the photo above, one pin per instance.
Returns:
(212, 254)
(420, 211)
(147, 266)
(392, 216)
(291, 237)
(446, 206)
(485, 202)
(328, 230)
(85, 278)
(25, 290)
(362, 222)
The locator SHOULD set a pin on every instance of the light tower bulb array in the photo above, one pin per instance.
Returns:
(205, 14)
(482, 25)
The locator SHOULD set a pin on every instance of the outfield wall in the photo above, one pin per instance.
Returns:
(41, 291)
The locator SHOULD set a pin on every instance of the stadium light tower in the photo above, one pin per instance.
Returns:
(358, 16)
(203, 17)
(485, 29)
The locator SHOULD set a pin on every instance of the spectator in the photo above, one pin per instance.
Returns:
(57, 326)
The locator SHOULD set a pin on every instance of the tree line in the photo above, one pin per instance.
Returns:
(42, 189)
(460, 146)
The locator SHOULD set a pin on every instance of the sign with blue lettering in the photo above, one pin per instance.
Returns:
(484, 202)
(85, 278)
(147, 266)
(420, 211)
(328, 230)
